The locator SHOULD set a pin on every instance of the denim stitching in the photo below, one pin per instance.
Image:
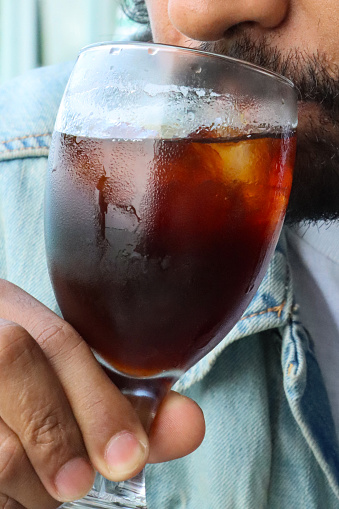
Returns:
(275, 309)
(25, 138)
(22, 149)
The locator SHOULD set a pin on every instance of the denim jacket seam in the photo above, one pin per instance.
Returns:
(19, 138)
(275, 309)
(23, 149)
(38, 145)
(278, 309)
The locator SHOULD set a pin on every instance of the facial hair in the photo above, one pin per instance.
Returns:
(315, 190)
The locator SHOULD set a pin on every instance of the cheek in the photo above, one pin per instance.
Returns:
(326, 22)
(311, 29)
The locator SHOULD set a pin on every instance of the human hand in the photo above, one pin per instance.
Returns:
(59, 411)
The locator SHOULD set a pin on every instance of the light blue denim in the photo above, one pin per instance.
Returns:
(270, 440)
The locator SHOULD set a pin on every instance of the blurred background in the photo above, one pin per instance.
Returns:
(44, 32)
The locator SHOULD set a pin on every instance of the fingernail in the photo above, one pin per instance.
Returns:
(124, 453)
(74, 479)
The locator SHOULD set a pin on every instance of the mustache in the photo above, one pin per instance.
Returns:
(315, 189)
(314, 78)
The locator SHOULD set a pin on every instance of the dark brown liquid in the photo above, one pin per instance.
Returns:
(156, 247)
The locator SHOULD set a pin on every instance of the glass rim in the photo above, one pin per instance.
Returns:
(168, 47)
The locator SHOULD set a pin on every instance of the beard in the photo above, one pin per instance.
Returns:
(315, 189)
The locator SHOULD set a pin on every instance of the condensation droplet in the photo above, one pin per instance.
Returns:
(282, 101)
(152, 51)
(132, 210)
(190, 115)
(196, 68)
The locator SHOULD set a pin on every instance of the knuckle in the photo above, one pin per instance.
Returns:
(93, 403)
(51, 333)
(55, 338)
(14, 342)
(11, 455)
(44, 427)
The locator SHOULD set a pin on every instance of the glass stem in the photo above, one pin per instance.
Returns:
(130, 494)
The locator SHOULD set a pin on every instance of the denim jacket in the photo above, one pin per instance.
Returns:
(270, 440)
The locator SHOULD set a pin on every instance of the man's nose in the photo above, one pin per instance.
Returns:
(209, 20)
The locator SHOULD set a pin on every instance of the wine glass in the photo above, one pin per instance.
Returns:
(169, 175)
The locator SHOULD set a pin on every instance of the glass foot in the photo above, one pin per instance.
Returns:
(109, 495)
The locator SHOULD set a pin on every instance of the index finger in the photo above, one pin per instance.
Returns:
(113, 435)
(35, 408)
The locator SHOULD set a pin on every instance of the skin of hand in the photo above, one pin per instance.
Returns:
(61, 418)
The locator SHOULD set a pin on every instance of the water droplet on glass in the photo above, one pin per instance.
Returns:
(196, 68)
(282, 101)
(190, 115)
(152, 51)
(115, 51)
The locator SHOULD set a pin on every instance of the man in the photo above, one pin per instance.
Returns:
(270, 437)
